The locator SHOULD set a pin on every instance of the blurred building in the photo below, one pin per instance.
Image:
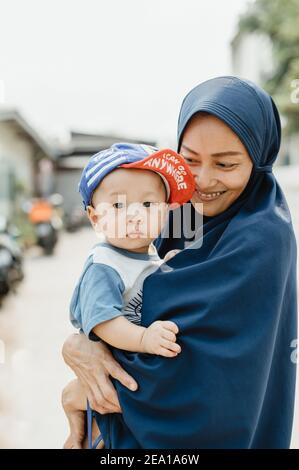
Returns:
(31, 166)
(26, 161)
(71, 159)
(252, 59)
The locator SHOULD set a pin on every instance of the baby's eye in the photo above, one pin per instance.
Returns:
(118, 205)
(147, 204)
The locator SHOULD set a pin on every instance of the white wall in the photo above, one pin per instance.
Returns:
(16, 153)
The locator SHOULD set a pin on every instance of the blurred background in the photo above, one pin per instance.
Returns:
(75, 77)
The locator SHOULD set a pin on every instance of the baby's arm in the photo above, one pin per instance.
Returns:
(159, 338)
(101, 303)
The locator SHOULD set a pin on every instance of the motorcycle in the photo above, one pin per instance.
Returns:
(75, 219)
(11, 260)
(46, 236)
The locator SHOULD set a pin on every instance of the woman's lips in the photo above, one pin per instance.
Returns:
(211, 196)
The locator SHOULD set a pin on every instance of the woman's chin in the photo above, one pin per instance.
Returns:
(205, 209)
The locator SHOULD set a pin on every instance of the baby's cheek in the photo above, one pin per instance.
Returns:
(120, 224)
(155, 224)
(114, 225)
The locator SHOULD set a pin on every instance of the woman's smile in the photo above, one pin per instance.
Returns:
(209, 196)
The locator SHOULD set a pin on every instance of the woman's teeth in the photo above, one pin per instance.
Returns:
(209, 196)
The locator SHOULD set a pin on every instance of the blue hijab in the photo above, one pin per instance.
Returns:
(234, 301)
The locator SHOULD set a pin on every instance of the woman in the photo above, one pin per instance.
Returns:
(232, 295)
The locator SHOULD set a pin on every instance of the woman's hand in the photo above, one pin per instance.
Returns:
(92, 362)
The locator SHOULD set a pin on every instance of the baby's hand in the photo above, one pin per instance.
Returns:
(160, 338)
(170, 255)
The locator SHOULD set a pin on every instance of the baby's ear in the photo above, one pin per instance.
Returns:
(91, 214)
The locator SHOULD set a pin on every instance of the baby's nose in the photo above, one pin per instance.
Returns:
(134, 218)
(134, 214)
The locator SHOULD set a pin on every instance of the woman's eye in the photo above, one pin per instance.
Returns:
(147, 204)
(188, 160)
(226, 165)
(118, 205)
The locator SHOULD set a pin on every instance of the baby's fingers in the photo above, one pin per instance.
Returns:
(170, 345)
(166, 353)
(167, 334)
(170, 325)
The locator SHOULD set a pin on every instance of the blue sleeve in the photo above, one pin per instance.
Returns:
(99, 298)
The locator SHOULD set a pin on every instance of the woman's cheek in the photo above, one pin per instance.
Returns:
(238, 178)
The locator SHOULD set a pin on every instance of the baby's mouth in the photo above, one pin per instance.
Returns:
(135, 234)
(210, 196)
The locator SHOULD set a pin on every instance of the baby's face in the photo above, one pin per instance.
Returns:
(129, 208)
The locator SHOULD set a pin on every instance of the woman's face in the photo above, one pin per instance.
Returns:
(219, 162)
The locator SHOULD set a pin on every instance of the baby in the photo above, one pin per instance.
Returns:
(127, 191)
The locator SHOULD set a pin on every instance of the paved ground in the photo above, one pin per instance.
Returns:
(34, 325)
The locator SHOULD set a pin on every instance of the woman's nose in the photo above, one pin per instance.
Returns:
(204, 177)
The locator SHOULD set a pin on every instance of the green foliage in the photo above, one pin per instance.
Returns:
(279, 20)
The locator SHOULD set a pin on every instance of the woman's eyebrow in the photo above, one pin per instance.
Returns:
(189, 150)
(227, 153)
